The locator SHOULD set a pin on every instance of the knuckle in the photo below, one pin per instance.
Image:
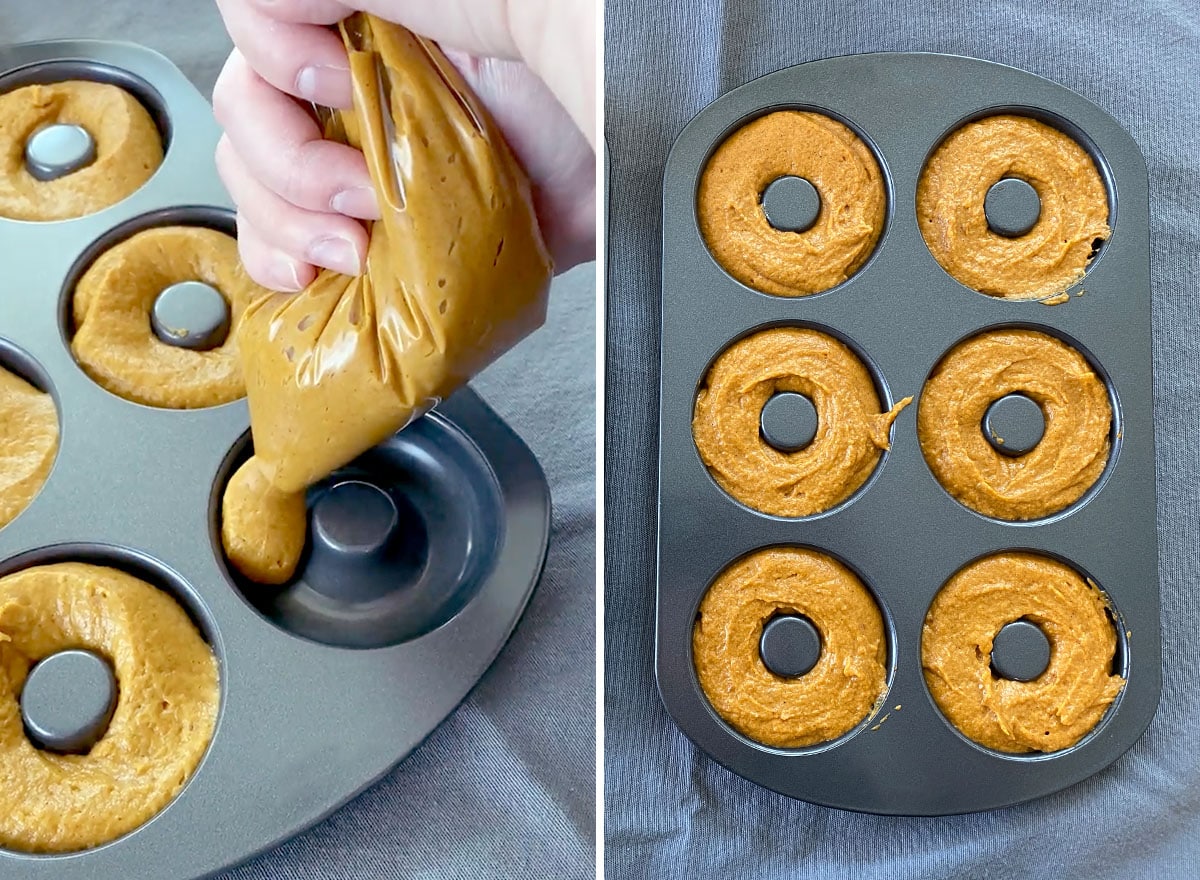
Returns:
(227, 88)
(303, 176)
(221, 156)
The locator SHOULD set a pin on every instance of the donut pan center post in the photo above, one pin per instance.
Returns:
(790, 645)
(191, 314)
(791, 204)
(355, 529)
(57, 150)
(1014, 424)
(68, 700)
(789, 421)
(1012, 207)
(1020, 651)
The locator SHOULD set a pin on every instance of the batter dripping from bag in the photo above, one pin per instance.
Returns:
(457, 273)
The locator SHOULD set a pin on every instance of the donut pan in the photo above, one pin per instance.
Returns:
(320, 696)
(903, 533)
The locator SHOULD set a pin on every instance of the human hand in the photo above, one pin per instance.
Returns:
(300, 198)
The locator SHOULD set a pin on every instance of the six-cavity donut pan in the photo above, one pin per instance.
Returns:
(322, 691)
(902, 533)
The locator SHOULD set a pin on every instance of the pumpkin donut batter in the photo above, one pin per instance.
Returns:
(164, 719)
(1054, 254)
(1055, 710)
(457, 273)
(851, 432)
(263, 529)
(28, 443)
(843, 688)
(1054, 474)
(831, 157)
(114, 341)
(128, 149)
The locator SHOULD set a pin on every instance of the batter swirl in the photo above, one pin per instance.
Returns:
(851, 433)
(849, 678)
(113, 340)
(164, 719)
(1062, 705)
(827, 154)
(1054, 474)
(128, 149)
(1054, 254)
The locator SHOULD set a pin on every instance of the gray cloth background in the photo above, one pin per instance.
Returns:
(506, 786)
(670, 812)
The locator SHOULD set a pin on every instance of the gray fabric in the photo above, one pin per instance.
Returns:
(670, 812)
(505, 788)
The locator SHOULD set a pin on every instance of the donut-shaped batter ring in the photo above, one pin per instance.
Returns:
(839, 165)
(851, 432)
(1062, 705)
(829, 700)
(28, 443)
(1073, 451)
(1054, 254)
(114, 341)
(164, 719)
(128, 147)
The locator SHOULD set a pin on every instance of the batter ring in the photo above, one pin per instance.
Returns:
(128, 149)
(851, 432)
(1054, 474)
(164, 719)
(831, 157)
(28, 443)
(114, 341)
(1062, 705)
(848, 680)
(1054, 254)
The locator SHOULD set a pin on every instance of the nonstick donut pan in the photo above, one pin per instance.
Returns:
(902, 533)
(327, 683)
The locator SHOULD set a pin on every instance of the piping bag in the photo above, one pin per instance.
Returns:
(456, 274)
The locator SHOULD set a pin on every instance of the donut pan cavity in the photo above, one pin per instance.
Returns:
(903, 533)
(319, 699)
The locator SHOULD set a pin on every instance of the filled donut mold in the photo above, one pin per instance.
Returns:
(902, 532)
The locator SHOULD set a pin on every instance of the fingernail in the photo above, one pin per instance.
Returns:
(284, 275)
(336, 253)
(357, 201)
(316, 82)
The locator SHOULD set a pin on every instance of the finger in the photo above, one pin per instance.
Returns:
(270, 267)
(484, 27)
(302, 11)
(556, 39)
(561, 166)
(328, 240)
(304, 60)
(480, 26)
(282, 146)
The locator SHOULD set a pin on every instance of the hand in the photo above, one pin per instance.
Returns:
(300, 198)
